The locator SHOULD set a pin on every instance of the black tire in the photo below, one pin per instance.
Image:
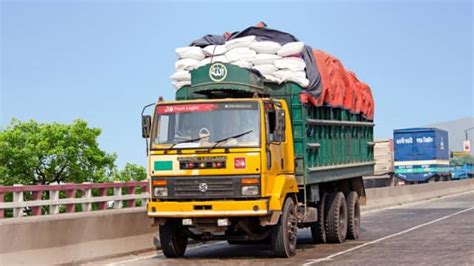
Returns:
(318, 229)
(336, 219)
(284, 233)
(448, 177)
(173, 240)
(353, 215)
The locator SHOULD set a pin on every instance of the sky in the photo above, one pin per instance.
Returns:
(102, 61)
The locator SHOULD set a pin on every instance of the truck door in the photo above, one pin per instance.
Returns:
(275, 120)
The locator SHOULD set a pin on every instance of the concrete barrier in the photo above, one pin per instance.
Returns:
(70, 238)
(393, 196)
(78, 237)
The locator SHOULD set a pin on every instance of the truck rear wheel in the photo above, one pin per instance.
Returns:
(353, 211)
(284, 233)
(336, 220)
(173, 240)
(318, 229)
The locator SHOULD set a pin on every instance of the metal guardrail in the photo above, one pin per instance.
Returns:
(63, 198)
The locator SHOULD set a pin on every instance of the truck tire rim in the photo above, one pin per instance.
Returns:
(292, 228)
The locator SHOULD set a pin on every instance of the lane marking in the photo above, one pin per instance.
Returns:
(330, 257)
(160, 253)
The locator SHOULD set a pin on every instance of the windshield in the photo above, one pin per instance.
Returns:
(207, 125)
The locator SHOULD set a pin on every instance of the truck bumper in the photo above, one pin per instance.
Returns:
(224, 208)
(415, 177)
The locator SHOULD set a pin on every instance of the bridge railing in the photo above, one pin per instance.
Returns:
(33, 200)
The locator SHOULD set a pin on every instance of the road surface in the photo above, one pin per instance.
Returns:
(436, 232)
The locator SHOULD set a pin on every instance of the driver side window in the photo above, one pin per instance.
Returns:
(275, 122)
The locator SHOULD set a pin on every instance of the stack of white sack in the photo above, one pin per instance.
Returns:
(280, 63)
(188, 59)
(291, 67)
(275, 62)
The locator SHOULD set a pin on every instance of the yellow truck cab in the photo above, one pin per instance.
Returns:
(244, 161)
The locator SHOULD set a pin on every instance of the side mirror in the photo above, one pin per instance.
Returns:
(146, 126)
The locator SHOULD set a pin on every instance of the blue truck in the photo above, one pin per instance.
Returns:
(421, 155)
(462, 171)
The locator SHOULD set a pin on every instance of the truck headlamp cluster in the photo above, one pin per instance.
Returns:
(250, 190)
(160, 192)
(160, 188)
(250, 186)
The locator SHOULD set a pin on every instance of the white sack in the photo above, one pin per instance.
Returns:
(263, 59)
(272, 78)
(298, 77)
(181, 76)
(291, 63)
(240, 42)
(242, 63)
(214, 50)
(219, 58)
(190, 52)
(291, 48)
(179, 84)
(265, 47)
(186, 64)
(267, 69)
(303, 82)
(284, 74)
(237, 54)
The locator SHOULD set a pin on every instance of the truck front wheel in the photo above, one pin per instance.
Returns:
(336, 220)
(173, 239)
(284, 233)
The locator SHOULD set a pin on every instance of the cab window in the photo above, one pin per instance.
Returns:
(275, 122)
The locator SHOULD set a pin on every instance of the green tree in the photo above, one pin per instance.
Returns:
(43, 153)
(131, 172)
(461, 160)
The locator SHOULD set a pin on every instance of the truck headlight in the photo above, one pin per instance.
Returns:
(160, 191)
(250, 190)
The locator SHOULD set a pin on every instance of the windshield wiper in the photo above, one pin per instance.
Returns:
(231, 137)
(185, 141)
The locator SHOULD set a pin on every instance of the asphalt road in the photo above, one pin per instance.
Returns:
(436, 232)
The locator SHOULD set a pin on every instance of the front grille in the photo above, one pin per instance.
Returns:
(225, 187)
(190, 188)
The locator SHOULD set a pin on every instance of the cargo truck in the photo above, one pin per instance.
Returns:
(239, 159)
(383, 169)
(421, 155)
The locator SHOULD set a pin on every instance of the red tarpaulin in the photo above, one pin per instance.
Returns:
(340, 87)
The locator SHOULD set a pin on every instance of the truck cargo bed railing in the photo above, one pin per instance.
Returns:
(339, 123)
(330, 167)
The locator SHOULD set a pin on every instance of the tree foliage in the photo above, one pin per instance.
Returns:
(43, 153)
(461, 160)
(131, 172)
